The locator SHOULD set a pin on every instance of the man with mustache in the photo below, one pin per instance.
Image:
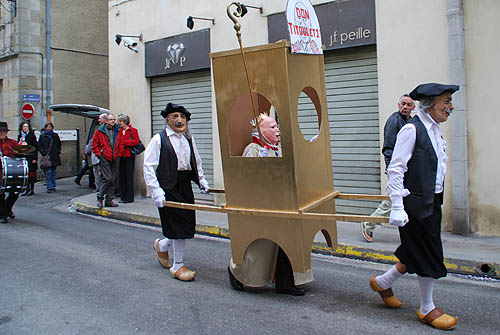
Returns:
(416, 184)
(171, 162)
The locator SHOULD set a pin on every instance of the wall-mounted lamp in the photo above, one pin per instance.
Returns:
(244, 9)
(127, 41)
(190, 22)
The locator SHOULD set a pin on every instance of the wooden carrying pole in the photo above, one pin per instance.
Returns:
(278, 214)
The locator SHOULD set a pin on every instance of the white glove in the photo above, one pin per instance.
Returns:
(203, 186)
(262, 152)
(159, 201)
(398, 216)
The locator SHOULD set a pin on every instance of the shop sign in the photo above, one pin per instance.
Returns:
(180, 53)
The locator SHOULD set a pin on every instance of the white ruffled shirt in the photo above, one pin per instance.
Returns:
(183, 153)
(403, 150)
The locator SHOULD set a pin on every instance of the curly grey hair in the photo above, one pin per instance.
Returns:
(425, 103)
(124, 118)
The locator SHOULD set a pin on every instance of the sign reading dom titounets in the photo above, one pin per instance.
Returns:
(344, 24)
(303, 27)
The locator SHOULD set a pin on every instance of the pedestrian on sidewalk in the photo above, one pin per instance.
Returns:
(128, 137)
(86, 166)
(416, 181)
(171, 162)
(96, 166)
(392, 126)
(49, 143)
(26, 136)
(105, 145)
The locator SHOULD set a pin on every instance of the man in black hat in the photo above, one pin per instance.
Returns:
(171, 162)
(6, 146)
(416, 181)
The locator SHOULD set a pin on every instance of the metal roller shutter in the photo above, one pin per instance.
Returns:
(193, 91)
(352, 95)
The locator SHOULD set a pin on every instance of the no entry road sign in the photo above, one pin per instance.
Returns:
(27, 111)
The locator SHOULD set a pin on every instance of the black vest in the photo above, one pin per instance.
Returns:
(420, 179)
(166, 172)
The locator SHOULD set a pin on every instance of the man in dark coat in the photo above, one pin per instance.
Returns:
(105, 145)
(416, 183)
(392, 126)
(171, 162)
(6, 146)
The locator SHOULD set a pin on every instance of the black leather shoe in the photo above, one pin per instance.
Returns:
(78, 182)
(296, 291)
(11, 215)
(4, 220)
(235, 283)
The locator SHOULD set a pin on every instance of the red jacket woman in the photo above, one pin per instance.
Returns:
(127, 138)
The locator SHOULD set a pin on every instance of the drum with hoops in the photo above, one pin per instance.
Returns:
(14, 174)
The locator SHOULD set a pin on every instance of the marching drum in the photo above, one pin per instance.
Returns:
(14, 174)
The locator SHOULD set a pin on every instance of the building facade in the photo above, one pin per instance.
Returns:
(375, 51)
(73, 69)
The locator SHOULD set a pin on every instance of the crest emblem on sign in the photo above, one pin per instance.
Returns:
(174, 52)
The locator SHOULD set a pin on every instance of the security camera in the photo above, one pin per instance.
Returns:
(127, 42)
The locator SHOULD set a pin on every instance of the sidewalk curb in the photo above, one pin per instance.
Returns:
(464, 267)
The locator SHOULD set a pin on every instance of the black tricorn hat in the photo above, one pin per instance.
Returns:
(4, 126)
(172, 108)
(432, 90)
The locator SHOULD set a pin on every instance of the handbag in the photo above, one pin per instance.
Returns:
(136, 149)
(45, 161)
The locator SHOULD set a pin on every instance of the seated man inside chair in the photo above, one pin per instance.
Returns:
(264, 260)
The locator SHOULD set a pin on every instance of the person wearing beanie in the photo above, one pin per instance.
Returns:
(171, 162)
(415, 186)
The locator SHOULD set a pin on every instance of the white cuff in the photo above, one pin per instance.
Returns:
(158, 192)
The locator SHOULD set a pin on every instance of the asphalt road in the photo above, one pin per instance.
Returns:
(65, 273)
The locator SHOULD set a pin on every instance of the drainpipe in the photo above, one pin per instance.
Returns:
(48, 59)
(459, 152)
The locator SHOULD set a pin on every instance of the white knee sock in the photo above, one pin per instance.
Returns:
(178, 253)
(426, 285)
(387, 279)
(165, 244)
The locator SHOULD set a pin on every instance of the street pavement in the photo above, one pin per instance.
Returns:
(66, 273)
(471, 255)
